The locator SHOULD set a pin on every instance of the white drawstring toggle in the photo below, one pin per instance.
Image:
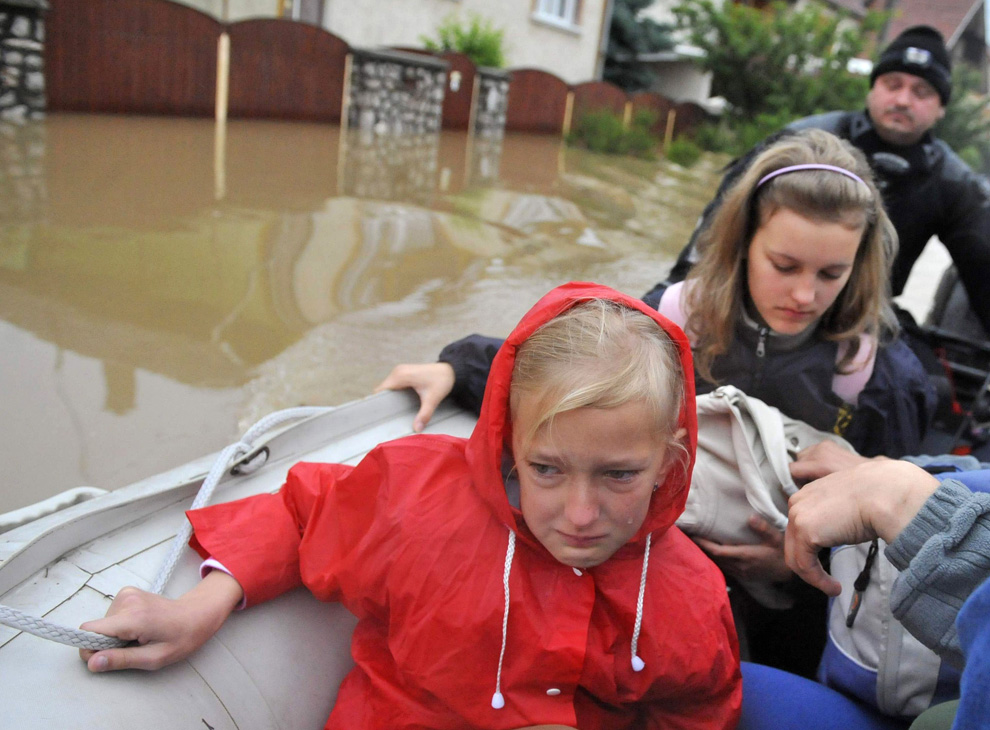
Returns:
(498, 701)
(637, 663)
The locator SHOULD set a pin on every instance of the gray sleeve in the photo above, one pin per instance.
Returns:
(962, 463)
(943, 555)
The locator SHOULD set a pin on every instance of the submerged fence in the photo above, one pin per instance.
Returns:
(160, 57)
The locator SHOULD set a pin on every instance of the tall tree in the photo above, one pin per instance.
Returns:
(966, 124)
(629, 36)
(778, 61)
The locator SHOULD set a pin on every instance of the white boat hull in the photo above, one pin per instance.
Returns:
(275, 666)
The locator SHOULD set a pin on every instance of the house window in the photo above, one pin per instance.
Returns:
(306, 11)
(563, 13)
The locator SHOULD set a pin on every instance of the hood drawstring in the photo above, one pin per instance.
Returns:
(637, 663)
(498, 701)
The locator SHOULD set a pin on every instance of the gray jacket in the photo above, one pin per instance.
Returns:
(943, 555)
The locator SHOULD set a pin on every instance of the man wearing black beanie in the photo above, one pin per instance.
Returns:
(927, 189)
(910, 86)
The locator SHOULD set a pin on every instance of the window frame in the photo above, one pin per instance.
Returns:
(562, 14)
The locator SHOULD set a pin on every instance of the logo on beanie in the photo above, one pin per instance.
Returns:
(917, 56)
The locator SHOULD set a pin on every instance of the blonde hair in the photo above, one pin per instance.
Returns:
(716, 298)
(600, 354)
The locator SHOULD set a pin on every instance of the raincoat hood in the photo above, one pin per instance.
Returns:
(493, 431)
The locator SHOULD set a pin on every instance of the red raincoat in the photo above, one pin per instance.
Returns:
(414, 541)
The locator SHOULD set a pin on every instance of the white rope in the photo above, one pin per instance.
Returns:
(498, 701)
(637, 662)
(62, 634)
(89, 640)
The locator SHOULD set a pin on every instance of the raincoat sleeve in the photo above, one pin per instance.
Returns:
(312, 531)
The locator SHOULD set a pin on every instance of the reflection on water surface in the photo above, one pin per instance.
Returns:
(162, 286)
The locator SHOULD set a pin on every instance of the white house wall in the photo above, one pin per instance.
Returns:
(571, 53)
(683, 81)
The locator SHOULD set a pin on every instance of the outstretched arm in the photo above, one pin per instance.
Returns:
(461, 373)
(165, 630)
(432, 382)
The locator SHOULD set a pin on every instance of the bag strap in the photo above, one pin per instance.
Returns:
(849, 385)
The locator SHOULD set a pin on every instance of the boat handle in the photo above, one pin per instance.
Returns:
(251, 461)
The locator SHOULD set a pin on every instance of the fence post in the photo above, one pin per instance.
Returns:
(345, 113)
(668, 134)
(472, 120)
(223, 76)
(475, 90)
(627, 114)
(220, 131)
(568, 112)
(345, 102)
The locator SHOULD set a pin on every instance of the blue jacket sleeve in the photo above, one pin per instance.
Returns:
(974, 634)
(896, 406)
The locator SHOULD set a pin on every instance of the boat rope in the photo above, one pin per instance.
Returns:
(233, 454)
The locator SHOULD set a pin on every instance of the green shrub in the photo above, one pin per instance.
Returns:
(683, 151)
(645, 119)
(640, 143)
(715, 137)
(602, 131)
(599, 131)
(966, 124)
(738, 136)
(479, 40)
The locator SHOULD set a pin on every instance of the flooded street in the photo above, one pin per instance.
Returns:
(162, 286)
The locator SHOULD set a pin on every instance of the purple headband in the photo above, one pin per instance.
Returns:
(811, 166)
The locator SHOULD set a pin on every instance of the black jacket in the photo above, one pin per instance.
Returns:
(927, 191)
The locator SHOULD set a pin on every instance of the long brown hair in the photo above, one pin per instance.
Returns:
(715, 291)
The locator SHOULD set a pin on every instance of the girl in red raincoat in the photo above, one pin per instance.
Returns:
(530, 574)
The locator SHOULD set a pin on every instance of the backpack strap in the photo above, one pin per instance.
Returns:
(845, 385)
(671, 306)
(849, 385)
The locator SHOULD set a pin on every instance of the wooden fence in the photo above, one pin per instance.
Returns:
(160, 57)
(285, 70)
(130, 56)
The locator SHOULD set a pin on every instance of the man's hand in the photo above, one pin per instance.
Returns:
(762, 561)
(878, 498)
(166, 630)
(431, 381)
(822, 459)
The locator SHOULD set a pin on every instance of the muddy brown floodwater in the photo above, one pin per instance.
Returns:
(162, 286)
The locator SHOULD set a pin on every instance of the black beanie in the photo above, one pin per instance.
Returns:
(920, 51)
